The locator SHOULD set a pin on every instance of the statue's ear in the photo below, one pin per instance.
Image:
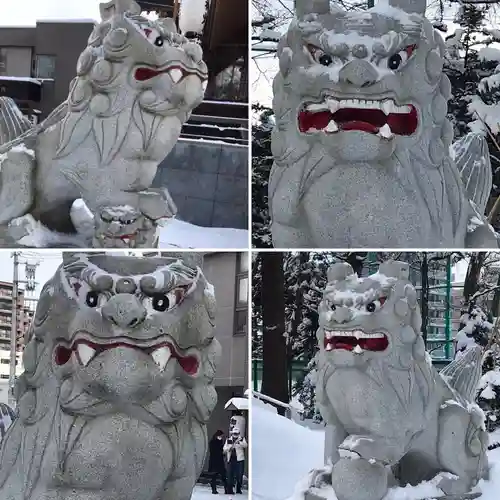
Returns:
(304, 7)
(395, 269)
(109, 9)
(339, 271)
(168, 24)
(410, 6)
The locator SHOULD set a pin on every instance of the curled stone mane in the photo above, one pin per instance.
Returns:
(96, 90)
(420, 165)
(406, 355)
(57, 400)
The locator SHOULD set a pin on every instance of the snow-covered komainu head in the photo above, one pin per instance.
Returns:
(133, 69)
(114, 334)
(364, 87)
(373, 324)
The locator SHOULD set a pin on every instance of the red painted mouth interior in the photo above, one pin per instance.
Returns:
(189, 364)
(365, 120)
(349, 343)
(142, 74)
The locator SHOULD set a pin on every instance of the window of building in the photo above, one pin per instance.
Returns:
(241, 313)
(44, 66)
(3, 61)
(4, 361)
(4, 376)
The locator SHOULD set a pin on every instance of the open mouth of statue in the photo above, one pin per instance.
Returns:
(176, 73)
(161, 352)
(355, 340)
(383, 118)
(126, 238)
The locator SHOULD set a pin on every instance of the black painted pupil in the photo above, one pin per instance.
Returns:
(333, 307)
(159, 41)
(371, 307)
(326, 60)
(395, 61)
(91, 299)
(160, 303)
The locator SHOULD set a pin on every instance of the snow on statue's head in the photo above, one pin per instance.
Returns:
(372, 318)
(361, 86)
(111, 335)
(372, 324)
(136, 66)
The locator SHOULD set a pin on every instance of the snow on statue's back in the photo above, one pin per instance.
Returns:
(87, 170)
(362, 142)
(391, 417)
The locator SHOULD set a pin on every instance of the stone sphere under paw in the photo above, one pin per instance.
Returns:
(358, 479)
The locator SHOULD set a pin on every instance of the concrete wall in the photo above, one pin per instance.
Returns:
(208, 182)
(65, 41)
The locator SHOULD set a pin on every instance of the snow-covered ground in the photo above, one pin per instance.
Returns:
(205, 493)
(179, 234)
(284, 452)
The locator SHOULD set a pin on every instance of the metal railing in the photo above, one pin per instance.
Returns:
(275, 402)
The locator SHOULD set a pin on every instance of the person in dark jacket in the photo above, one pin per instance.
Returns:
(216, 464)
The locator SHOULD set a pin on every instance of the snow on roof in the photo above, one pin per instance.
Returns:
(21, 79)
(192, 16)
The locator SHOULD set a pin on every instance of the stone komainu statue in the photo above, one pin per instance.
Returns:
(391, 417)
(137, 83)
(118, 383)
(362, 142)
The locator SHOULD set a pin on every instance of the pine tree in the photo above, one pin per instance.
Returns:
(262, 161)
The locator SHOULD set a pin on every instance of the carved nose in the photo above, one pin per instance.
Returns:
(124, 310)
(342, 314)
(358, 73)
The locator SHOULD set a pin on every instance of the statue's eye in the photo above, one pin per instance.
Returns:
(320, 56)
(397, 60)
(160, 302)
(375, 305)
(166, 301)
(92, 299)
(159, 41)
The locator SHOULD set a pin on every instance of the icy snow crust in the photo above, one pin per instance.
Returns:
(285, 452)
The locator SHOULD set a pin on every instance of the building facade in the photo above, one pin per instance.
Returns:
(24, 317)
(228, 273)
(37, 63)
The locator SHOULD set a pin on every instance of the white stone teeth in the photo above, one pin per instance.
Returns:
(332, 127)
(85, 353)
(386, 132)
(358, 350)
(328, 334)
(329, 347)
(387, 107)
(161, 356)
(175, 74)
(333, 105)
(323, 106)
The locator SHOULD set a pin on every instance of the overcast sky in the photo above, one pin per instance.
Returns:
(48, 261)
(27, 12)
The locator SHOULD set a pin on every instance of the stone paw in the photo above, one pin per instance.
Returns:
(371, 449)
(23, 227)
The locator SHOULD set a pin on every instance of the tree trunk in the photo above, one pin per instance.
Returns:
(274, 345)
(473, 273)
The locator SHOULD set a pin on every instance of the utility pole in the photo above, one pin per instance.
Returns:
(13, 331)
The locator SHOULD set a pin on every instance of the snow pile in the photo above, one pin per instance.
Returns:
(474, 329)
(489, 54)
(284, 453)
(179, 234)
(192, 15)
